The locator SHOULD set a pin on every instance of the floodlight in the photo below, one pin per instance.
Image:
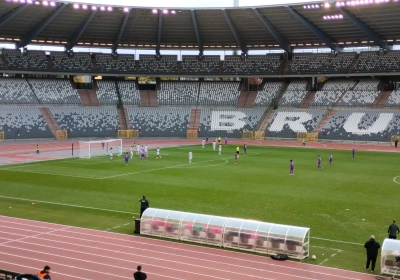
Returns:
(8, 0)
(29, 1)
(37, 3)
(76, 6)
(155, 11)
(84, 7)
(327, 5)
(173, 12)
(94, 8)
(102, 8)
(165, 11)
(15, 0)
(126, 10)
(304, 7)
(340, 16)
(324, 17)
(109, 9)
(45, 3)
(52, 4)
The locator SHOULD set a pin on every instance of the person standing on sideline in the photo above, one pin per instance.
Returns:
(139, 275)
(226, 140)
(393, 230)
(245, 149)
(236, 155)
(190, 156)
(372, 252)
(37, 149)
(237, 151)
(396, 141)
(144, 204)
(45, 273)
(291, 170)
(304, 141)
(330, 159)
(353, 152)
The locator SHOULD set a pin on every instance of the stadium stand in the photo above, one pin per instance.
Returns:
(219, 93)
(16, 91)
(32, 60)
(79, 62)
(394, 99)
(192, 65)
(363, 95)
(228, 121)
(252, 65)
(160, 122)
(107, 92)
(294, 94)
(321, 63)
(27, 121)
(87, 121)
(269, 93)
(367, 125)
(178, 93)
(286, 123)
(375, 62)
(119, 64)
(168, 64)
(54, 91)
(129, 94)
(331, 92)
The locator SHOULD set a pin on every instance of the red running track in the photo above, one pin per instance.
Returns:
(26, 246)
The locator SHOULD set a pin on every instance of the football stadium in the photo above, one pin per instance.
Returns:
(194, 140)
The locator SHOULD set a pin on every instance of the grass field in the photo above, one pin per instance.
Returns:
(258, 187)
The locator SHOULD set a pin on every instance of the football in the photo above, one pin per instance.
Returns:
(313, 257)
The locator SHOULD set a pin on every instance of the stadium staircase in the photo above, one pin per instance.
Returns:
(195, 119)
(127, 122)
(353, 63)
(32, 89)
(121, 118)
(285, 67)
(144, 98)
(265, 119)
(88, 97)
(246, 99)
(326, 118)
(94, 63)
(307, 99)
(50, 120)
(153, 98)
(281, 93)
(94, 101)
(340, 98)
(3, 59)
(50, 64)
(380, 101)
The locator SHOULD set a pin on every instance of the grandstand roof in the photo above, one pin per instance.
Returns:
(243, 28)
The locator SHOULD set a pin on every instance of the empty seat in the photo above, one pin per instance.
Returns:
(32, 60)
(16, 91)
(115, 64)
(252, 64)
(130, 95)
(269, 93)
(207, 65)
(378, 62)
(107, 92)
(55, 91)
(321, 63)
(167, 64)
(178, 93)
(394, 99)
(294, 94)
(79, 62)
(219, 93)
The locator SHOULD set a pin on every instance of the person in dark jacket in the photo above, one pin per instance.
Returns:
(393, 230)
(144, 204)
(139, 275)
(372, 252)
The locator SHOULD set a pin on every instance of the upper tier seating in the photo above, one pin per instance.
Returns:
(168, 64)
(321, 63)
(32, 60)
(178, 93)
(363, 95)
(331, 92)
(228, 121)
(192, 65)
(55, 91)
(254, 64)
(394, 99)
(2, 66)
(294, 94)
(269, 93)
(79, 62)
(160, 122)
(373, 62)
(107, 92)
(119, 64)
(87, 121)
(219, 93)
(366, 125)
(129, 94)
(16, 91)
(27, 121)
(286, 123)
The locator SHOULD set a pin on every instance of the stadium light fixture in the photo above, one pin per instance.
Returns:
(76, 6)
(126, 10)
(29, 2)
(155, 11)
(102, 8)
(327, 5)
(165, 11)
(22, 1)
(110, 9)
(173, 12)
(37, 3)
(332, 17)
(45, 3)
(94, 8)
(84, 7)
(52, 4)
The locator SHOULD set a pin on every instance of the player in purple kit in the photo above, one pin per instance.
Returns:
(236, 157)
(142, 154)
(330, 159)
(319, 162)
(244, 149)
(126, 158)
(353, 152)
(206, 140)
(226, 140)
(291, 171)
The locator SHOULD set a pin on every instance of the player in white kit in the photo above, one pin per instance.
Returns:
(146, 151)
(158, 153)
(111, 154)
(219, 149)
(203, 142)
(190, 156)
(131, 152)
(214, 145)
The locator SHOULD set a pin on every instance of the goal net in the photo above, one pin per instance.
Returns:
(89, 149)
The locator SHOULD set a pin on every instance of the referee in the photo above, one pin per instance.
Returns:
(144, 204)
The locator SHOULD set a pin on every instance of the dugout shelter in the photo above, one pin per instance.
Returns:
(390, 257)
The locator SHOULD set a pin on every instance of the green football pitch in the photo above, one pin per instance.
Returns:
(343, 204)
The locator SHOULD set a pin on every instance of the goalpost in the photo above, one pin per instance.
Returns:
(89, 149)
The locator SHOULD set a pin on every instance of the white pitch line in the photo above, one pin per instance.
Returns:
(338, 241)
(395, 180)
(118, 226)
(69, 205)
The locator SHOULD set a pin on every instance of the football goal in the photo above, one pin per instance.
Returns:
(89, 149)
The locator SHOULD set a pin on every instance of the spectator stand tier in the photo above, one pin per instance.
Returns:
(390, 257)
(229, 122)
(78, 62)
(32, 60)
(365, 125)
(23, 123)
(55, 91)
(378, 62)
(166, 64)
(394, 99)
(269, 94)
(219, 93)
(363, 95)
(160, 122)
(115, 64)
(294, 94)
(130, 95)
(331, 92)
(208, 65)
(178, 93)
(240, 234)
(107, 92)
(252, 65)
(287, 123)
(16, 91)
(321, 63)
(87, 121)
